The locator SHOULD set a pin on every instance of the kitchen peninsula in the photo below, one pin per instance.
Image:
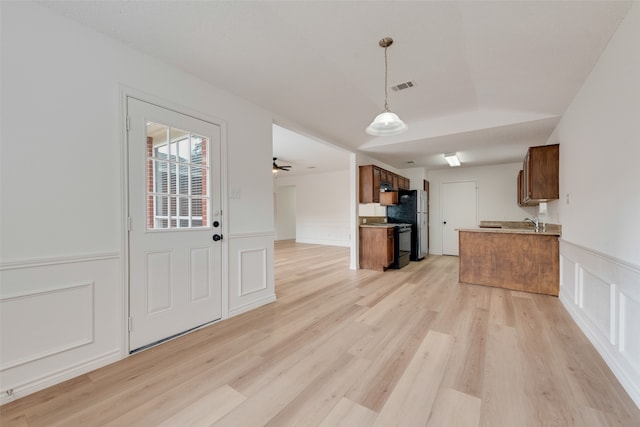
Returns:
(513, 258)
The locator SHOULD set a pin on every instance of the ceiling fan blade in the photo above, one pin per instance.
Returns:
(280, 167)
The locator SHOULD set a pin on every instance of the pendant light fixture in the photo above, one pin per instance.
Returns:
(386, 123)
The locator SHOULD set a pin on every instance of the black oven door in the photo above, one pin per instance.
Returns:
(401, 246)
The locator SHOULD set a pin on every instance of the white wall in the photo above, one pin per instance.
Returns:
(599, 138)
(599, 152)
(322, 207)
(285, 212)
(416, 177)
(497, 196)
(62, 191)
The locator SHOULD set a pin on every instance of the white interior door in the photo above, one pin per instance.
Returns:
(459, 206)
(175, 266)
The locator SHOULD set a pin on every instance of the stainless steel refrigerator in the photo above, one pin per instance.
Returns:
(412, 208)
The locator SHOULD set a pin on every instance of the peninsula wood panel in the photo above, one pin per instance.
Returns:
(522, 262)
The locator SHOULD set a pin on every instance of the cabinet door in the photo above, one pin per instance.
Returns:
(526, 183)
(541, 174)
(374, 248)
(405, 183)
(366, 184)
(384, 177)
(375, 195)
(520, 188)
(389, 247)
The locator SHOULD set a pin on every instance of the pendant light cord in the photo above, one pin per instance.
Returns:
(386, 105)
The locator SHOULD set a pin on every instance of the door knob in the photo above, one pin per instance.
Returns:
(444, 222)
(217, 237)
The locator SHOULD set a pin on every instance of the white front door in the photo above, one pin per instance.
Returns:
(459, 206)
(175, 265)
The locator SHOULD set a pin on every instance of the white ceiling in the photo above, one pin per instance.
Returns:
(492, 78)
(305, 154)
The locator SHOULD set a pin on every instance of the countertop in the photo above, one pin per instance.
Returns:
(510, 230)
(378, 225)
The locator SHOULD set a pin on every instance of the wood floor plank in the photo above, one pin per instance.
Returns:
(502, 307)
(269, 398)
(465, 370)
(453, 408)
(206, 410)
(411, 400)
(373, 388)
(340, 347)
(504, 401)
(541, 369)
(317, 400)
(349, 414)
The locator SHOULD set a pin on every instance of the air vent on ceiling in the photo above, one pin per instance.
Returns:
(403, 86)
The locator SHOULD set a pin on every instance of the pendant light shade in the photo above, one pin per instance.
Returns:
(386, 123)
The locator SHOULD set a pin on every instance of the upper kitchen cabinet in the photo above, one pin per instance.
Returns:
(521, 201)
(369, 184)
(373, 177)
(386, 178)
(402, 183)
(539, 181)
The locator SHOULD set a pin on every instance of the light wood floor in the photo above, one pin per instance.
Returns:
(410, 347)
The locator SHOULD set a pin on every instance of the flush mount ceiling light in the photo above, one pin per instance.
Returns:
(386, 123)
(452, 159)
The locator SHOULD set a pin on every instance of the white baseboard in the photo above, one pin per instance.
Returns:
(59, 376)
(255, 304)
(324, 242)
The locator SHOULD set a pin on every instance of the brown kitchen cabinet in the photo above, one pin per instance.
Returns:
(376, 247)
(369, 184)
(540, 175)
(403, 183)
(372, 177)
(386, 177)
(388, 198)
(521, 201)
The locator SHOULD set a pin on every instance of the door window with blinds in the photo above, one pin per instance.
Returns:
(177, 174)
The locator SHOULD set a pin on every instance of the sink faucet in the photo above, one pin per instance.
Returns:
(536, 223)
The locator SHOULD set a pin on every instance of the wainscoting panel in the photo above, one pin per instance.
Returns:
(602, 294)
(630, 330)
(251, 276)
(568, 273)
(50, 331)
(595, 301)
(253, 271)
(60, 318)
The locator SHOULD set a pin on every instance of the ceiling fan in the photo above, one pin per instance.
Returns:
(276, 167)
